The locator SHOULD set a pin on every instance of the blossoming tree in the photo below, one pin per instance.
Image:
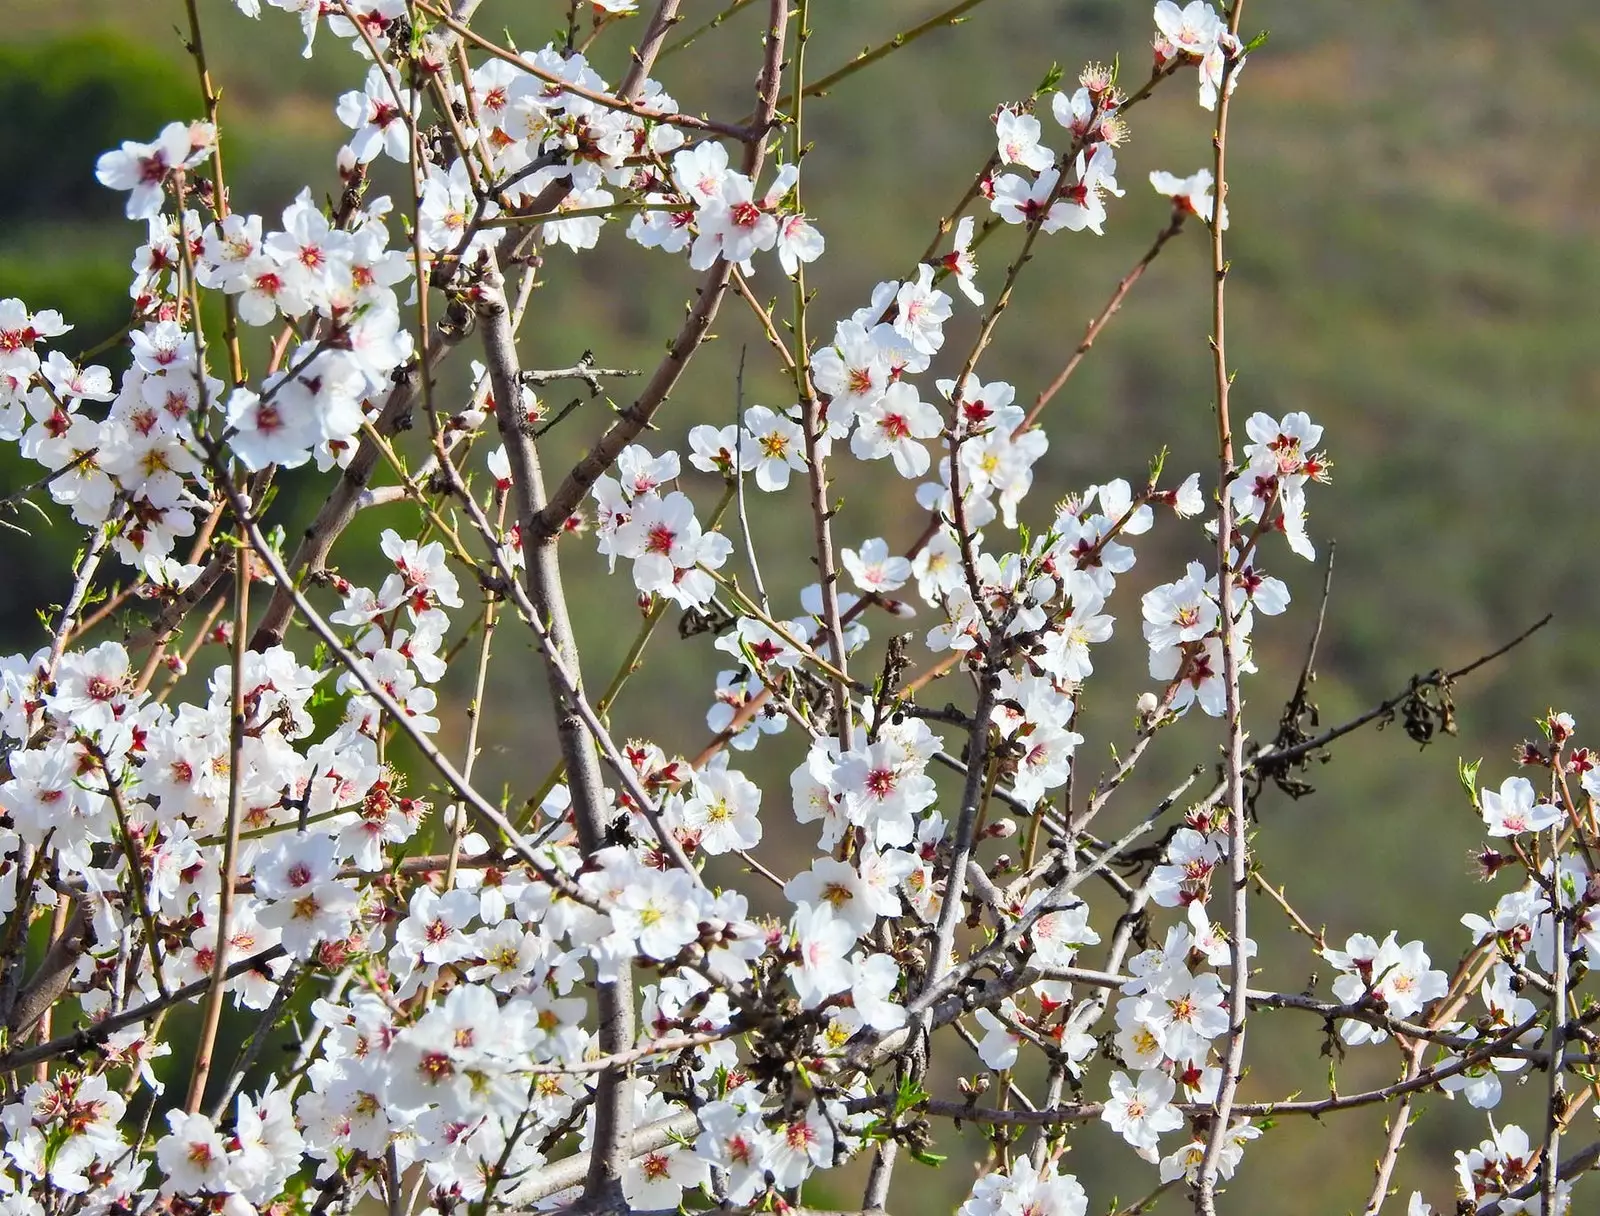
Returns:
(561, 999)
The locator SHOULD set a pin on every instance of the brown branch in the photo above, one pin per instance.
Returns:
(47, 984)
(1233, 756)
(614, 998)
(90, 1037)
(1104, 317)
(339, 508)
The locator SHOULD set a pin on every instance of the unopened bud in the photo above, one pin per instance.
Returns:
(1560, 727)
(1147, 704)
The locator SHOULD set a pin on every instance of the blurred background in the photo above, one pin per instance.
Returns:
(1416, 263)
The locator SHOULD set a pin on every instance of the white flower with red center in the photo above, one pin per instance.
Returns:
(1192, 30)
(736, 1141)
(1026, 1190)
(1058, 935)
(46, 798)
(700, 171)
(92, 687)
(1363, 965)
(1196, 673)
(1185, 875)
(823, 941)
(664, 538)
(722, 811)
(1502, 1164)
(803, 1144)
(491, 84)
(1290, 443)
(1190, 194)
(921, 311)
(20, 330)
(265, 288)
(428, 580)
(277, 427)
(884, 789)
(313, 253)
(1139, 1111)
(91, 383)
(894, 426)
(657, 1180)
(380, 119)
(854, 372)
(302, 895)
(733, 225)
(641, 473)
(192, 1156)
(726, 450)
(434, 930)
(962, 263)
(1179, 612)
(1017, 138)
(163, 347)
(1515, 809)
(1079, 114)
(874, 569)
(798, 242)
(1019, 201)
(1045, 763)
(1081, 206)
(144, 169)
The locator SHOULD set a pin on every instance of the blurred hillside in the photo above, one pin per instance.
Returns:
(1416, 262)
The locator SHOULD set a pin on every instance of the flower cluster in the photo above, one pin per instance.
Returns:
(1198, 34)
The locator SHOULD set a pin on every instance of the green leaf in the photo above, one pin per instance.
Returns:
(1468, 773)
(910, 1094)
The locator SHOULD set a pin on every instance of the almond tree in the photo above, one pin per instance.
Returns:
(562, 999)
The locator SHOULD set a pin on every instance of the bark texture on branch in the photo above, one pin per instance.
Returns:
(542, 579)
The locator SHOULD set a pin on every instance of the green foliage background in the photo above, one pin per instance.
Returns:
(1415, 262)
